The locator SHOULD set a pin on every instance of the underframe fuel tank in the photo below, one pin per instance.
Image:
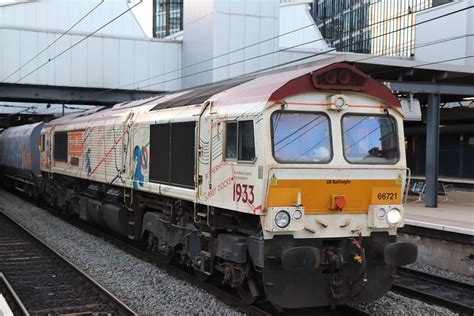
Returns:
(19, 149)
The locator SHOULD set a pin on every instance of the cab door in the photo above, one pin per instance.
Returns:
(203, 156)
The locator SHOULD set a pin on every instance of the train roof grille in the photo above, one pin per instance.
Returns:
(198, 95)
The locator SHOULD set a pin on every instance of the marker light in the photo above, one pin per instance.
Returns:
(381, 212)
(394, 217)
(297, 215)
(282, 219)
(339, 102)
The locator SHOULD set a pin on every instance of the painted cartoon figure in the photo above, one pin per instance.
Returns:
(88, 162)
(140, 159)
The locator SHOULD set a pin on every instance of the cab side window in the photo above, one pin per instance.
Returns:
(240, 141)
(231, 141)
(60, 146)
(246, 141)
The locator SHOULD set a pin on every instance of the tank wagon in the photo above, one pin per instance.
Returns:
(19, 157)
(289, 185)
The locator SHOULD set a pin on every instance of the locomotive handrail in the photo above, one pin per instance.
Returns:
(407, 185)
(197, 150)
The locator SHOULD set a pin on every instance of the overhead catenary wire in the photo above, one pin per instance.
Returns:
(55, 41)
(22, 107)
(309, 56)
(78, 42)
(275, 66)
(419, 45)
(252, 45)
(429, 63)
(207, 60)
(383, 71)
(416, 46)
(371, 38)
(68, 107)
(15, 106)
(26, 109)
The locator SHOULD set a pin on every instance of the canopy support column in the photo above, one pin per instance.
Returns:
(432, 151)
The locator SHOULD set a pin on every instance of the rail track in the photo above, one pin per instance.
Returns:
(45, 281)
(454, 295)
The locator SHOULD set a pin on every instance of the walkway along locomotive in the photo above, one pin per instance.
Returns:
(290, 185)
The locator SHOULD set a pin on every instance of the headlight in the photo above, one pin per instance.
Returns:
(394, 216)
(297, 215)
(282, 219)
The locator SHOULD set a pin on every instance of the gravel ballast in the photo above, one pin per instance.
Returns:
(143, 286)
(441, 272)
(396, 304)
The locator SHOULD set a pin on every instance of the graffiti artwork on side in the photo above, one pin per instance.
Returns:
(140, 160)
(75, 146)
(140, 156)
(88, 162)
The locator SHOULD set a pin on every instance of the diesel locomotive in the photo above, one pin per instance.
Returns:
(291, 185)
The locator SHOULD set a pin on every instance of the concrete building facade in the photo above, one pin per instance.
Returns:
(221, 39)
(451, 38)
(115, 56)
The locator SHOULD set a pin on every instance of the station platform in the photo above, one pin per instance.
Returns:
(454, 215)
(444, 235)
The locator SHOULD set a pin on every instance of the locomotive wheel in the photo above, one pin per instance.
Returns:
(161, 256)
(201, 275)
(248, 291)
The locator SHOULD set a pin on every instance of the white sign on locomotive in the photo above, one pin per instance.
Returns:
(291, 185)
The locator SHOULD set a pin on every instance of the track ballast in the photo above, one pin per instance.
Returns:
(455, 295)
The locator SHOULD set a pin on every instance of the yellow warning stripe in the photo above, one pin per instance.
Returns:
(317, 195)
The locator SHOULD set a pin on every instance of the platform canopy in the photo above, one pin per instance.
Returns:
(70, 95)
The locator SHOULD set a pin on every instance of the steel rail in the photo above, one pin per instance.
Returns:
(11, 292)
(124, 309)
(435, 290)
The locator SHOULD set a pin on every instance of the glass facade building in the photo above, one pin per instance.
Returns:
(167, 17)
(380, 27)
